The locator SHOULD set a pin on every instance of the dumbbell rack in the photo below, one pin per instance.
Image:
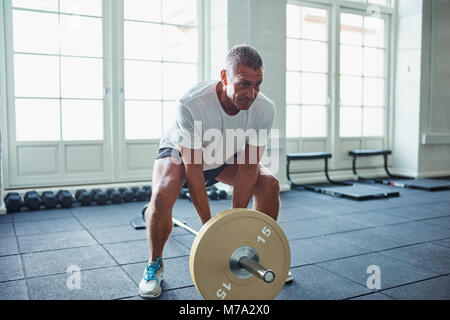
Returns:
(32, 200)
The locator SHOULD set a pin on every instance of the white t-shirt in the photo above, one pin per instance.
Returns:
(201, 122)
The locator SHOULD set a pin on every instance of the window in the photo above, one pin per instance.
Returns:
(160, 62)
(362, 75)
(360, 58)
(307, 71)
(58, 69)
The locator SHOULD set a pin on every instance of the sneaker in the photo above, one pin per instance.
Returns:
(150, 285)
(289, 277)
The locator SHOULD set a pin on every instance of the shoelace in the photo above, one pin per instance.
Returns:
(150, 271)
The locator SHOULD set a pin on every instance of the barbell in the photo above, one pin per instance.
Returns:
(238, 254)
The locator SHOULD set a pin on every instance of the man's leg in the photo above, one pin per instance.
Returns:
(266, 193)
(168, 179)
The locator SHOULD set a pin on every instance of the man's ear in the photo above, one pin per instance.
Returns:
(223, 77)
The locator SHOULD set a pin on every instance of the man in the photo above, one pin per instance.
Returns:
(189, 155)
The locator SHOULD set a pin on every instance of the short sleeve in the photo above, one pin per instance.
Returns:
(189, 131)
(263, 122)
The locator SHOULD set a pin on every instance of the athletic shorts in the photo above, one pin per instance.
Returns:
(209, 175)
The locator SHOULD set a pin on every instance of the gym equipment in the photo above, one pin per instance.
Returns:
(230, 253)
(148, 191)
(127, 195)
(99, 196)
(354, 191)
(114, 195)
(139, 222)
(401, 181)
(65, 198)
(418, 183)
(184, 194)
(49, 199)
(83, 197)
(32, 200)
(140, 195)
(13, 202)
(212, 194)
(122, 189)
(222, 194)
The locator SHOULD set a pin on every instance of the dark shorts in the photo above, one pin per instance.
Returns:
(209, 175)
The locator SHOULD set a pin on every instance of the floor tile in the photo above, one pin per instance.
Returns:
(11, 268)
(13, 290)
(427, 255)
(314, 283)
(392, 272)
(52, 241)
(434, 289)
(99, 284)
(59, 261)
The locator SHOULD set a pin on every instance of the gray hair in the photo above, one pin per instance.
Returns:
(243, 54)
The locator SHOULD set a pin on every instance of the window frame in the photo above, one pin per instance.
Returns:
(335, 7)
(114, 162)
(386, 76)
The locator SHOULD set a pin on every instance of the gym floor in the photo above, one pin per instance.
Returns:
(333, 243)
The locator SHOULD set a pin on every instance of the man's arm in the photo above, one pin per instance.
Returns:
(193, 165)
(247, 174)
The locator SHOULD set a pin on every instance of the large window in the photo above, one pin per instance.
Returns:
(91, 85)
(160, 62)
(362, 75)
(307, 71)
(355, 46)
(58, 70)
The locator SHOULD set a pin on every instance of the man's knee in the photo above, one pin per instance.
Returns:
(267, 185)
(163, 198)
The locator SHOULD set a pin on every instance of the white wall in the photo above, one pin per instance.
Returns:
(422, 98)
(434, 150)
(407, 87)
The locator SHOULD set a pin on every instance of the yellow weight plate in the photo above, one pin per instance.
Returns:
(216, 241)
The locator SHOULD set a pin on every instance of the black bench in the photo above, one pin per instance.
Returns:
(309, 156)
(354, 191)
(370, 153)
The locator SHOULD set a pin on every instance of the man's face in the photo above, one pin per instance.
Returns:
(243, 86)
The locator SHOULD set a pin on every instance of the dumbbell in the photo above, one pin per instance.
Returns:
(13, 202)
(32, 200)
(49, 199)
(64, 198)
(212, 194)
(222, 194)
(140, 194)
(127, 195)
(148, 191)
(83, 197)
(184, 194)
(114, 195)
(99, 196)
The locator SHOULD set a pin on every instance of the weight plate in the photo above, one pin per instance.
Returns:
(216, 241)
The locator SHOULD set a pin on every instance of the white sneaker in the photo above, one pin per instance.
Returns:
(150, 285)
(290, 277)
